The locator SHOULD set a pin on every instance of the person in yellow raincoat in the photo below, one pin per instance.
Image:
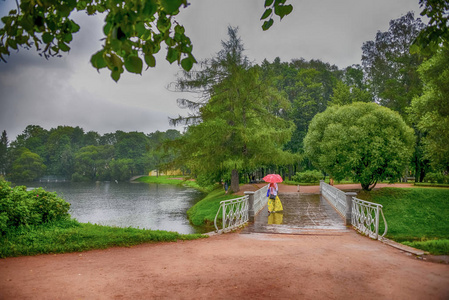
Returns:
(274, 203)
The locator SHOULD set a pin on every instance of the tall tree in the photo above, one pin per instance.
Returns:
(28, 166)
(237, 124)
(3, 152)
(390, 69)
(430, 111)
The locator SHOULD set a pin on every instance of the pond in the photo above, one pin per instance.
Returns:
(125, 204)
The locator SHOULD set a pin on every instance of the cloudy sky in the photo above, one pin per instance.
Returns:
(69, 91)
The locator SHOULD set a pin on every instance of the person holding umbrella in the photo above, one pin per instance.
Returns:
(274, 203)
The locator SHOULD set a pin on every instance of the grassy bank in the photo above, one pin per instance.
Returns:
(203, 213)
(72, 236)
(175, 180)
(417, 217)
(428, 184)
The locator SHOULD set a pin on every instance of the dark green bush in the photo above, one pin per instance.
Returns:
(19, 207)
(308, 176)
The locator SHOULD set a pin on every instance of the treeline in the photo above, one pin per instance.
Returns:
(70, 153)
(255, 117)
(252, 119)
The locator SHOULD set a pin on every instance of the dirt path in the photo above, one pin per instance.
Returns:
(230, 266)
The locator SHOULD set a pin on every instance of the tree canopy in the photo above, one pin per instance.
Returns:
(364, 141)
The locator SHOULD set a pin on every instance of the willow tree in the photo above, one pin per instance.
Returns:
(362, 140)
(237, 123)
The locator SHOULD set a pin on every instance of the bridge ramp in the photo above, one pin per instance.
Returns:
(303, 214)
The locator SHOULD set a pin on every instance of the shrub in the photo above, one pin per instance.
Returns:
(19, 207)
(435, 178)
(308, 176)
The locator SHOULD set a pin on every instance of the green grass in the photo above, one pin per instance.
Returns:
(203, 213)
(417, 217)
(72, 236)
(175, 180)
(432, 184)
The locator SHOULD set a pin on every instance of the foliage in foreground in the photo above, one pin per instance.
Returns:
(19, 207)
(71, 236)
(415, 216)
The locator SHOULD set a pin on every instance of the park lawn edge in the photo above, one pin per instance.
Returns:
(415, 216)
(66, 236)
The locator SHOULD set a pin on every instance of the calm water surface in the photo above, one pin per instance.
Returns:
(123, 204)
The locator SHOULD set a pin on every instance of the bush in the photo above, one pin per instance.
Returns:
(436, 178)
(308, 176)
(19, 207)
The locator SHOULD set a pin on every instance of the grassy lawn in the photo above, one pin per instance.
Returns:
(72, 236)
(175, 180)
(417, 217)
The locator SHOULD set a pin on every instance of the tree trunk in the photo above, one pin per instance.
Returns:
(234, 181)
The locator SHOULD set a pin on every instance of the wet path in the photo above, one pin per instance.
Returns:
(303, 214)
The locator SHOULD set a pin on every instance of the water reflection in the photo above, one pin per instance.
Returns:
(139, 205)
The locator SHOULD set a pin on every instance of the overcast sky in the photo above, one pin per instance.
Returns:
(69, 91)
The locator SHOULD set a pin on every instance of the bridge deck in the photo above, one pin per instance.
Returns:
(303, 214)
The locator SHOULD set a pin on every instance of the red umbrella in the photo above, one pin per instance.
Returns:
(272, 178)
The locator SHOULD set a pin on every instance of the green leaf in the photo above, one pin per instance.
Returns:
(172, 55)
(63, 47)
(140, 29)
(267, 13)
(97, 60)
(150, 8)
(115, 75)
(187, 63)
(133, 64)
(75, 27)
(68, 37)
(171, 6)
(107, 28)
(47, 37)
(268, 2)
(12, 43)
(267, 24)
(150, 60)
(283, 10)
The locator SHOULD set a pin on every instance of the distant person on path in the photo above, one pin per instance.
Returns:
(274, 203)
(226, 187)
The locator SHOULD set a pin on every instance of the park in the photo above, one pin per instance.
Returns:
(360, 154)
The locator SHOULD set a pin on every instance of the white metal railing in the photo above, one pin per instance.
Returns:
(234, 213)
(260, 199)
(335, 196)
(365, 217)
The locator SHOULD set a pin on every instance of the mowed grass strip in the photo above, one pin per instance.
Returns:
(72, 236)
(418, 217)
